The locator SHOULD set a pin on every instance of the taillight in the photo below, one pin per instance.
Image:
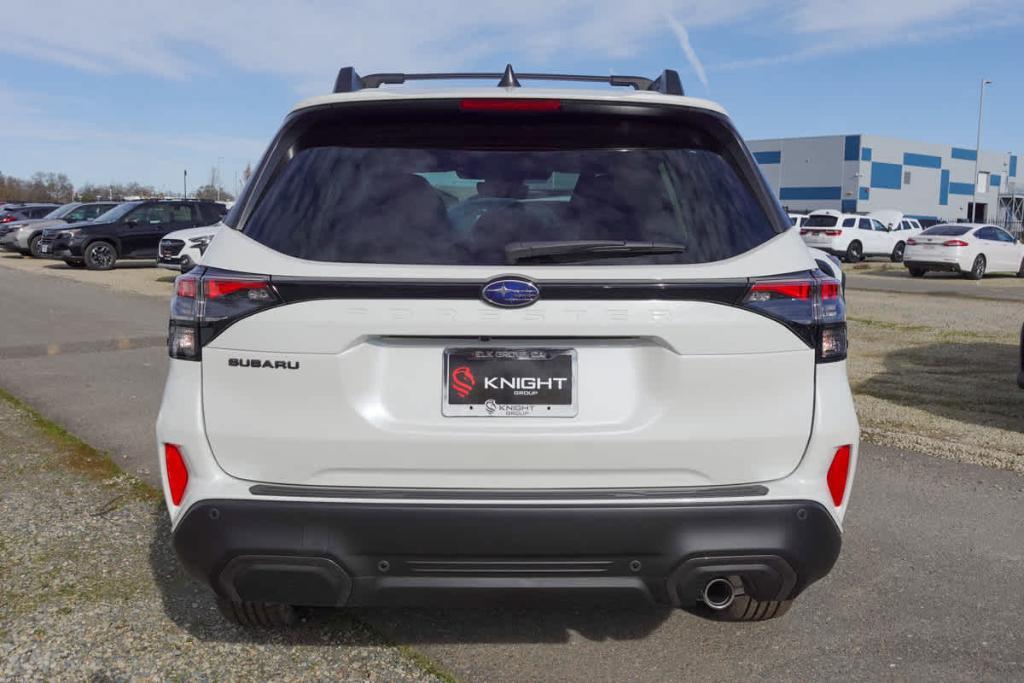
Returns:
(811, 306)
(954, 243)
(833, 233)
(804, 232)
(206, 303)
(6, 219)
(509, 105)
(911, 242)
(838, 473)
(177, 472)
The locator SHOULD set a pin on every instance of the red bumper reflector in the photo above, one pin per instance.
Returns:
(177, 473)
(838, 472)
(510, 105)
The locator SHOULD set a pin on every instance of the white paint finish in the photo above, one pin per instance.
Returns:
(1000, 257)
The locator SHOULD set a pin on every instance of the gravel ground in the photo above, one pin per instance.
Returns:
(89, 589)
(938, 375)
(140, 277)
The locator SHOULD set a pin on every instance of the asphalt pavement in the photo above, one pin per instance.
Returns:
(930, 584)
(884, 277)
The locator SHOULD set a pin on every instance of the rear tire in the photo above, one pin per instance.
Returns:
(977, 270)
(854, 252)
(917, 272)
(1020, 271)
(256, 614)
(186, 264)
(33, 247)
(100, 255)
(897, 252)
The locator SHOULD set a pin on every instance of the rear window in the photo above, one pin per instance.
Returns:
(473, 194)
(946, 230)
(820, 222)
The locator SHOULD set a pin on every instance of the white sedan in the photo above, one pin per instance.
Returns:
(971, 249)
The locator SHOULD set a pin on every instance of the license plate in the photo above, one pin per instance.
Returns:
(44, 248)
(516, 382)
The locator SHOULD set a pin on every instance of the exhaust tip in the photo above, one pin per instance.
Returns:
(719, 593)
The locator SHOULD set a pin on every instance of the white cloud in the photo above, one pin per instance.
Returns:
(684, 42)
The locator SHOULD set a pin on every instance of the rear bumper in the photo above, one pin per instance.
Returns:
(333, 554)
(951, 266)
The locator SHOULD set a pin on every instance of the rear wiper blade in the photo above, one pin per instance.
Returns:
(584, 250)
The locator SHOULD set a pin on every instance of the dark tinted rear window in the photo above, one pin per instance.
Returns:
(946, 230)
(820, 222)
(460, 199)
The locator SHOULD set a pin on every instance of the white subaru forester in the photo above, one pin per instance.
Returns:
(461, 346)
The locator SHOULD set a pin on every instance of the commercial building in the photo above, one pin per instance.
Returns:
(863, 173)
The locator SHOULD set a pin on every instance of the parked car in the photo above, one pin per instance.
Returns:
(797, 220)
(19, 212)
(131, 230)
(23, 236)
(929, 222)
(849, 236)
(183, 249)
(629, 383)
(971, 249)
(1020, 372)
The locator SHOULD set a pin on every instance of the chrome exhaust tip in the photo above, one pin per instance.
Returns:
(718, 593)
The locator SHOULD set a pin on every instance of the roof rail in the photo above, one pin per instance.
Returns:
(348, 80)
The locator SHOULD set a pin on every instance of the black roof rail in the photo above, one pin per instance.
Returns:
(348, 80)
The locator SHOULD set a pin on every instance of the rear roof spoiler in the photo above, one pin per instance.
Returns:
(668, 83)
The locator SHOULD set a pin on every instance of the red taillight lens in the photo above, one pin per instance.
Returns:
(205, 304)
(215, 288)
(804, 232)
(6, 219)
(510, 105)
(954, 243)
(810, 306)
(177, 472)
(833, 233)
(838, 473)
(911, 242)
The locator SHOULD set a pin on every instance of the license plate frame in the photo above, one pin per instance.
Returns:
(524, 369)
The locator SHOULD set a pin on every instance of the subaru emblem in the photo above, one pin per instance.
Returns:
(510, 293)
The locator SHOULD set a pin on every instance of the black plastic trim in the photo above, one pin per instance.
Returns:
(295, 289)
(546, 495)
(365, 554)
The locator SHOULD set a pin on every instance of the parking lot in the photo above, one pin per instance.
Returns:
(927, 586)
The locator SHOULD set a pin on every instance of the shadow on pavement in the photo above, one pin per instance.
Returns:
(192, 607)
(973, 382)
(898, 271)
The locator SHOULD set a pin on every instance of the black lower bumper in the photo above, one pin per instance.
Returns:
(950, 266)
(333, 554)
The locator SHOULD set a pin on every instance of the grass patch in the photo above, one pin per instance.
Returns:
(80, 456)
(427, 664)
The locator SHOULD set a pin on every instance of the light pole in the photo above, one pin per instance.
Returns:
(219, 160)
(977, 148)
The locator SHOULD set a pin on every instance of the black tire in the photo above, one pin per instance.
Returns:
(977, 270)
(71, 263)
(33, 246)
(186, 264)
(256, 614)
(100, 255)
(1020, 271)
(917, 272)
(897, 252)
(854, 252)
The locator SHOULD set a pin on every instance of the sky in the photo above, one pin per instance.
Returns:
(107, 91)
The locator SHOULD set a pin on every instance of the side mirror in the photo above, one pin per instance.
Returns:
(130, 223)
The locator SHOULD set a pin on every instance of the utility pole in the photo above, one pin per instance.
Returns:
(184, 185)
(977, 149)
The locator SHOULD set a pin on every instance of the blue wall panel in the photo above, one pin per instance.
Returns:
(922, 160)
(852, 148)
(995, 180)
(768, 157)
(1013, 165)
(848, 206)
(865, 154)
(886, 176)
(944, 188)
(865, 193)
(810, 193)
(961, 188)
(965, 154)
